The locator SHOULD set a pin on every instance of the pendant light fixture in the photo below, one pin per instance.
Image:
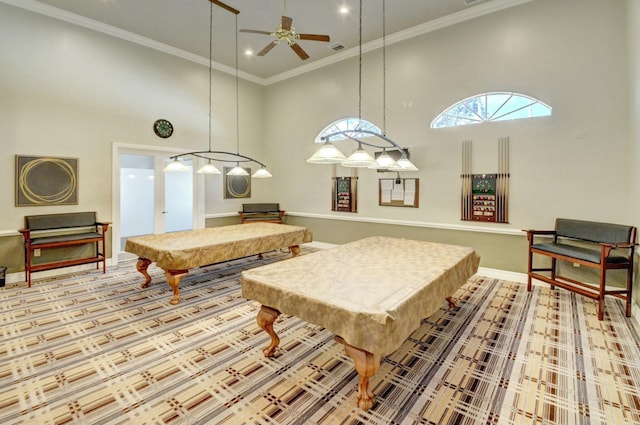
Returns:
(221, 156)
(329, 154)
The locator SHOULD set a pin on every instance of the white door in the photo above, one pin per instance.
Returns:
(153, 201)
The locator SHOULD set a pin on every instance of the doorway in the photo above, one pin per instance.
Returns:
(150, 201)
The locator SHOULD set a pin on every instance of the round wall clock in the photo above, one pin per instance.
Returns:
(163, 128)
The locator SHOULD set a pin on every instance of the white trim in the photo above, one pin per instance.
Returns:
(82, 21)
(17, 277)
(433, 25)
(445, 226)
(116, 149)
(424, 28)
(502, 275)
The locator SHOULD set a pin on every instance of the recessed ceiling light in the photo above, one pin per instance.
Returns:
(248, 52)
(344, 10)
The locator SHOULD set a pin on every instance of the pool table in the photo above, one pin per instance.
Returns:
(372, 293)
(178, 252)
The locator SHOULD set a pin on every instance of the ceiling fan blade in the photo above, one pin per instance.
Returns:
(266, 49)
(314, 37)
(296, 48)
(286, 23)
(256, 32)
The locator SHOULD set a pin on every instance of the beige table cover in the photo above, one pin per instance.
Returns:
(373, 292)
(194, 248)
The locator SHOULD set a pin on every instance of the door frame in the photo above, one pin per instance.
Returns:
(117, 149)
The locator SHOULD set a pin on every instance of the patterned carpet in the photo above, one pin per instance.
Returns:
(93, 348)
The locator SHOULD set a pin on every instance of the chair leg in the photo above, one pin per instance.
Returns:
(629, 291)
(529, 265)
(553, 271)
(603, 284)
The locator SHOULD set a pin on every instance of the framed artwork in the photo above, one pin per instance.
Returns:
(344, 194)
(44, 180)
(236, 186)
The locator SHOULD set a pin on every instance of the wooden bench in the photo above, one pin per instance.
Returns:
(600, 246)
(269, 212)
(63, 230)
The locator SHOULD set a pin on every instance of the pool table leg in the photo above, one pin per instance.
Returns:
(451, 301)
(367, 365)
(265, 319)
(142, 265)
(173, 279)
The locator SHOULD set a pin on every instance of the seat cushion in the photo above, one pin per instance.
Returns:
(582, 253)
(64, 238)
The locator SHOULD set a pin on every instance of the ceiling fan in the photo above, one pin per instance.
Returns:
(286, 33)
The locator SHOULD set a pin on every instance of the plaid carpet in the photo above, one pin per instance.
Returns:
(93, 348)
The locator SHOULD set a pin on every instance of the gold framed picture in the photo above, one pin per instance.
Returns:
(44, 180)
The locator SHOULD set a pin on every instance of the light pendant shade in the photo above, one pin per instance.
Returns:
(359, 158)
(175, 165)
(327, 154)
(237, 171)
(262, 173)
(384, 161)
(403, 164)
(209, 168)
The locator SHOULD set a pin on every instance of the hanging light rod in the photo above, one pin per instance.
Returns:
(329, 154)
(220, 156)
(225, 6)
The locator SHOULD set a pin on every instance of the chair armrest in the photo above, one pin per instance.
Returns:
(621, 245)
(540, 232)
(104, 225)
(532, 233)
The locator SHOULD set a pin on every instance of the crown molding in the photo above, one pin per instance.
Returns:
(72, 18)
(427, 27)
(424, 28)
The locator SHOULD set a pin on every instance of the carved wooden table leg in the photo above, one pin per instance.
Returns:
(265, 319)
(173, 279)
(142, 265)
(295, 250)
(367, 365)
(451, 301)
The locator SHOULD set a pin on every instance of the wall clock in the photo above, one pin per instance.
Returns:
(163, 128)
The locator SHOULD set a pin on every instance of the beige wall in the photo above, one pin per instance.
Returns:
(633, 25)
(570, 54)
(68, 91)
(71, 92)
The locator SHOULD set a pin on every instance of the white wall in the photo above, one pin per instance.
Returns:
(634, 72)
(69, 91)
(570, 54)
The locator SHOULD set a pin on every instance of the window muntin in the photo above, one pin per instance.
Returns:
(491, 107)
(344, 124)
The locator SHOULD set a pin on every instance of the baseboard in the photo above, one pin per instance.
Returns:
(482, 271)
(502, 275)
(20, 276)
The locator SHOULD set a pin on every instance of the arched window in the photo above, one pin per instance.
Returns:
(343, 124)
(490, 107)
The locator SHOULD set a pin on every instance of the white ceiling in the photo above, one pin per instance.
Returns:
(182, 26)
